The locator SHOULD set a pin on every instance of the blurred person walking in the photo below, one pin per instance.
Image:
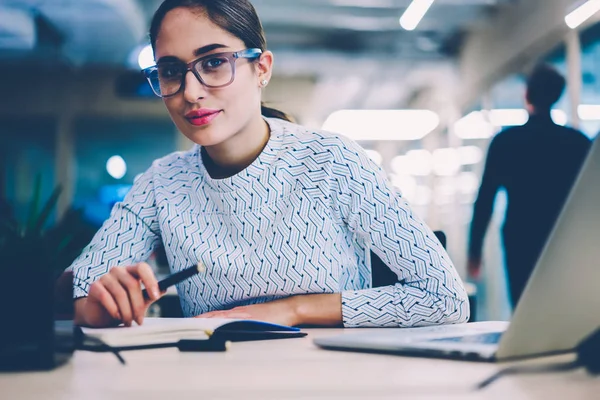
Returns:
(536, 164)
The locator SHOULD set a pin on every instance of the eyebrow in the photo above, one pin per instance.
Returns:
(197, 53)
(206, 49)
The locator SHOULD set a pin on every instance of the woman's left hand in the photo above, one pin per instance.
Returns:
(282, 311)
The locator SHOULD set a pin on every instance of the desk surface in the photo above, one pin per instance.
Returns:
(283, 369)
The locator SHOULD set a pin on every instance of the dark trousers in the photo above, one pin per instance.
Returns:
(520, 261)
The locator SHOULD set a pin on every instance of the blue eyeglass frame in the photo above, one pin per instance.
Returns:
(231, 56)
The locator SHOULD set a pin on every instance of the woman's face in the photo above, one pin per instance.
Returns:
(209, 116)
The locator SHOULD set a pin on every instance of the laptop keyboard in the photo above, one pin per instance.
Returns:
(480, 338)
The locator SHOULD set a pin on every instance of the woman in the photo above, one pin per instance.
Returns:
(283, 217)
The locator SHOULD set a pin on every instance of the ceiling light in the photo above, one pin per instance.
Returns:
(474, 126)
(382, 124)
(469, 155)
(406, 183)
(468, 182)
(483, 124)
(116, 167)
(579, 15)
(589, 112)
(414, 13)
(422, 196)
(146, 57)
(420, 162)
(446, 162)
(375, 156)
(559, 117)
(508, 117)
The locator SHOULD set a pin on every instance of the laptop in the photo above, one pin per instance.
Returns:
(558, 309)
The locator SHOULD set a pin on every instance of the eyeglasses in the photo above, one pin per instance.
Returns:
(213, 71)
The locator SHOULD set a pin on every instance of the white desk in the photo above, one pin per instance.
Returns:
(283, 369)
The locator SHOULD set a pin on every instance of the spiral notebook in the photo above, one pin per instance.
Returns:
(164, 330)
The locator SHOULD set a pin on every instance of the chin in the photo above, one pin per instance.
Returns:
(205, 136)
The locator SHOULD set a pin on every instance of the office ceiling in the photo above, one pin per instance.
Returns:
(355, 50)
(106, 31)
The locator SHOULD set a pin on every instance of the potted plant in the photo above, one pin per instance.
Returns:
(36, 290)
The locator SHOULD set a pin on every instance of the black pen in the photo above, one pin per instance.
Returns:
(185, 345)
(177, 277)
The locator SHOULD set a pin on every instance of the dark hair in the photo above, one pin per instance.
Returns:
(545, 85)
(237, 17)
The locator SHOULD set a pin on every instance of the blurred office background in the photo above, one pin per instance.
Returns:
(423, 85)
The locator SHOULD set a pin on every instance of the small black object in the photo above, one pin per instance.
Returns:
(588, 353)
(202, 345)
(175, 278)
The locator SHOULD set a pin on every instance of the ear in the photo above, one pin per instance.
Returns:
(528, 106)
(265, 66)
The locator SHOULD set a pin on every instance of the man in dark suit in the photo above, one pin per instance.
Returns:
(536, 164)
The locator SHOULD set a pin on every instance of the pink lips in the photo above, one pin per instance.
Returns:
(202, 116)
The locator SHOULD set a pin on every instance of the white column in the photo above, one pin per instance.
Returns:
(574, 81)
(65, 162)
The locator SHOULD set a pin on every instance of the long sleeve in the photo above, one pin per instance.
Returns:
(127, 237)
(429, 289)
(482, 209)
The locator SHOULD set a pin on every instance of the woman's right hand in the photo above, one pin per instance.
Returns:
(117, 297)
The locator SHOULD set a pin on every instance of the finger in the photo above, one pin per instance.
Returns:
(100, 295)
(143, 272)
(119, 294)
(134, 291)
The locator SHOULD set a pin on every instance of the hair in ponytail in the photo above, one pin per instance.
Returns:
(274, 113)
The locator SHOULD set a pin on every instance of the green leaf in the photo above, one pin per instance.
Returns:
(35, 202)
(64, 243)
(48, 207)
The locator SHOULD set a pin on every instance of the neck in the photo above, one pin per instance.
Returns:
(238, 152)
(541, 113)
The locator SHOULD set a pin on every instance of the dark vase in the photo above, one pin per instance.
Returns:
(37, 331)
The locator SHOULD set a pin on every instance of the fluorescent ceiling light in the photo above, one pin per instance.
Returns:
(559, 117)
(589, 112)
(469, 155)
(468, 182)
(146, 57)
(406, 183)
(508, 117)
(474, 125)
(400, 165)
(519, 116)
(375, 156)
(420, 162)
(382, 124)
(483, 124)
(414, 13)
(579, 15)
(446, 162)
(422, 197)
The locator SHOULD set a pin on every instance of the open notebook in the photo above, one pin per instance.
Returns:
(166, 330)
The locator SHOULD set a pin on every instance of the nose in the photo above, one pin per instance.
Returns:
(193, 90)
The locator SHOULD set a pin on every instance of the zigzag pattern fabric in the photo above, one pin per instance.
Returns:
(302, 218)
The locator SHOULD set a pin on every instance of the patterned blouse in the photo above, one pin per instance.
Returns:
(302, 218)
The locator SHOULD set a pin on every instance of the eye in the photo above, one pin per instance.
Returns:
(169, 71)
(213, 63)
